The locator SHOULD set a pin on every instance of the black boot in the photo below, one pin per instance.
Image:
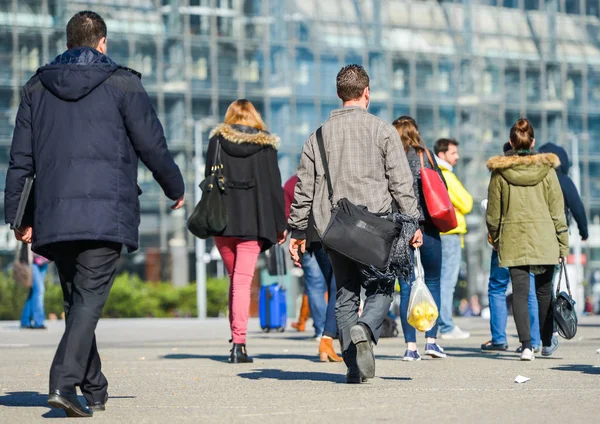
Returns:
(239, 355)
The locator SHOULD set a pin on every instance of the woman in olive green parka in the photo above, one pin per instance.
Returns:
(527, 225)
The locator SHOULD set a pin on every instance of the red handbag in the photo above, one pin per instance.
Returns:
(436, 196)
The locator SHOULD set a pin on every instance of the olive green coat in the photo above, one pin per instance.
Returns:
(526, 212)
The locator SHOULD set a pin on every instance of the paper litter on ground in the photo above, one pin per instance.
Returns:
(521, 379)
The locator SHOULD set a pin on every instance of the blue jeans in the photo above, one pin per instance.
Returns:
(451, 251)
(327, 270)
(431, 258)
(317, 268)
(34, 306)
(499, 279)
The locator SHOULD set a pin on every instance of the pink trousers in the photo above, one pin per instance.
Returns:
(240, 258)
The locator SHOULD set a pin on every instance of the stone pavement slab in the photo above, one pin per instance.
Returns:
(165, 371)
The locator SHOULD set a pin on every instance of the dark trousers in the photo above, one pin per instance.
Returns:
(543, 286)
(349, 282)
(87, 271)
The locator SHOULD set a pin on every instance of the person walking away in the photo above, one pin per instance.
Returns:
(320, 286)
(431, 251)
(447, 156)
(34, 305)
(526, 221)
(255, 207)
(368, 167)
(82, 125)
(573, 208)
(497, 286)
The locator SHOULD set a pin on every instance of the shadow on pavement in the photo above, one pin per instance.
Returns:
(396, 378)
(584, 369)
(225, 358)
(293, 376)
(30, 400)
(472, 352)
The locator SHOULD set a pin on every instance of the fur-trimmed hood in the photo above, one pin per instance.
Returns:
(240, 134)
(524, 170)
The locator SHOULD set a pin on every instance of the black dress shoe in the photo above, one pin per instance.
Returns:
(353, 376)
(239, 355)
(99, 406)
(70, 403)
(365, 358)
(494, 347)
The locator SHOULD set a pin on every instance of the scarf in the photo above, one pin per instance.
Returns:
(400, 264)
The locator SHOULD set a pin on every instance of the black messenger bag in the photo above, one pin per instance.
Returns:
(355, 232)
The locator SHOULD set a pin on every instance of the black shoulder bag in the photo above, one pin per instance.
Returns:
(355, 232)
(209, 217)
(565, 316)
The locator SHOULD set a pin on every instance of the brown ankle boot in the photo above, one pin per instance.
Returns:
(327, 352)
(304, 315)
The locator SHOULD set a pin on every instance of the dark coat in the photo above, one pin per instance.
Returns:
(82, 124)
(254, 196)
(414, 161)
(573, 204)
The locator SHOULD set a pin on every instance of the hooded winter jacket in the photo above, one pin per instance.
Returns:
(573, 204)
(525, 211)
(254, 196)
(82, 124)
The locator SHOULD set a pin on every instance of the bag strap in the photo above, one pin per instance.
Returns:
(325, 164)
(428, 156)
(563, 269)
(217, 164)
(419, 271)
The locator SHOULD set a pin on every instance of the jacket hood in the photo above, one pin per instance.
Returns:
(76, 73)
(527, 170)
(243, 141)
(561, 153)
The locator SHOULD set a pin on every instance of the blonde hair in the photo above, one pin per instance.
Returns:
(243, 112)
(409, 133)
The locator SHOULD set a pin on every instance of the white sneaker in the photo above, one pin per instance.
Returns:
(456, 334)
(527, 355)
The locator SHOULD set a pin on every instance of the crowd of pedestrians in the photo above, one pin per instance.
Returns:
(87, 209)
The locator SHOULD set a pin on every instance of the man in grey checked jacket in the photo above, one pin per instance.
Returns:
(368, 166)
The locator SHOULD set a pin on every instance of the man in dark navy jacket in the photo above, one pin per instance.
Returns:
(82, 125)
(573, 204)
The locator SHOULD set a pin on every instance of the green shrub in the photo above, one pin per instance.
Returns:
(130, 297)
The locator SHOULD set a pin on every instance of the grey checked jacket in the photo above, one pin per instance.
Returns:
(368, 166)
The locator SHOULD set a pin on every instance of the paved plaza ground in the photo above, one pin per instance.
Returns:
(168, 371)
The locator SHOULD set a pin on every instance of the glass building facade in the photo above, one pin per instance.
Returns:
(466, 69)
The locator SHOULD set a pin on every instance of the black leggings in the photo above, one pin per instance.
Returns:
(543, 286)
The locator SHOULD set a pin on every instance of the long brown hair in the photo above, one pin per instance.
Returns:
(521, 135)
(409, 133)
(243, 112)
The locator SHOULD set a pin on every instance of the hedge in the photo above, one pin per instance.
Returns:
(130, 297)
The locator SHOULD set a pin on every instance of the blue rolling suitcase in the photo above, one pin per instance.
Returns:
(272, 308)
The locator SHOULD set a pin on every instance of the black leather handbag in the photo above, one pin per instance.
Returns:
(565, 316)
(209, 217)
(353, 231)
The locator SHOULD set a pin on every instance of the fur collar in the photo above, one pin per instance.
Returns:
(238, 136)
(498, 163)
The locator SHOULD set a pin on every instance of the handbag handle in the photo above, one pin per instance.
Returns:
(563, 269)
(325, 164)
(217, 164)
(428, 156)
(419, 271)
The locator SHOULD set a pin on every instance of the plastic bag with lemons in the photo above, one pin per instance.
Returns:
(422, 310)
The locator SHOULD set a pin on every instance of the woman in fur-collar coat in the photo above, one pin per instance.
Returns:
(527, 225)
(255, 206)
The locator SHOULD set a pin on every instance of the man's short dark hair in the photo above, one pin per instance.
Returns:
(85, 29)
(441, 146)
(351, 81)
